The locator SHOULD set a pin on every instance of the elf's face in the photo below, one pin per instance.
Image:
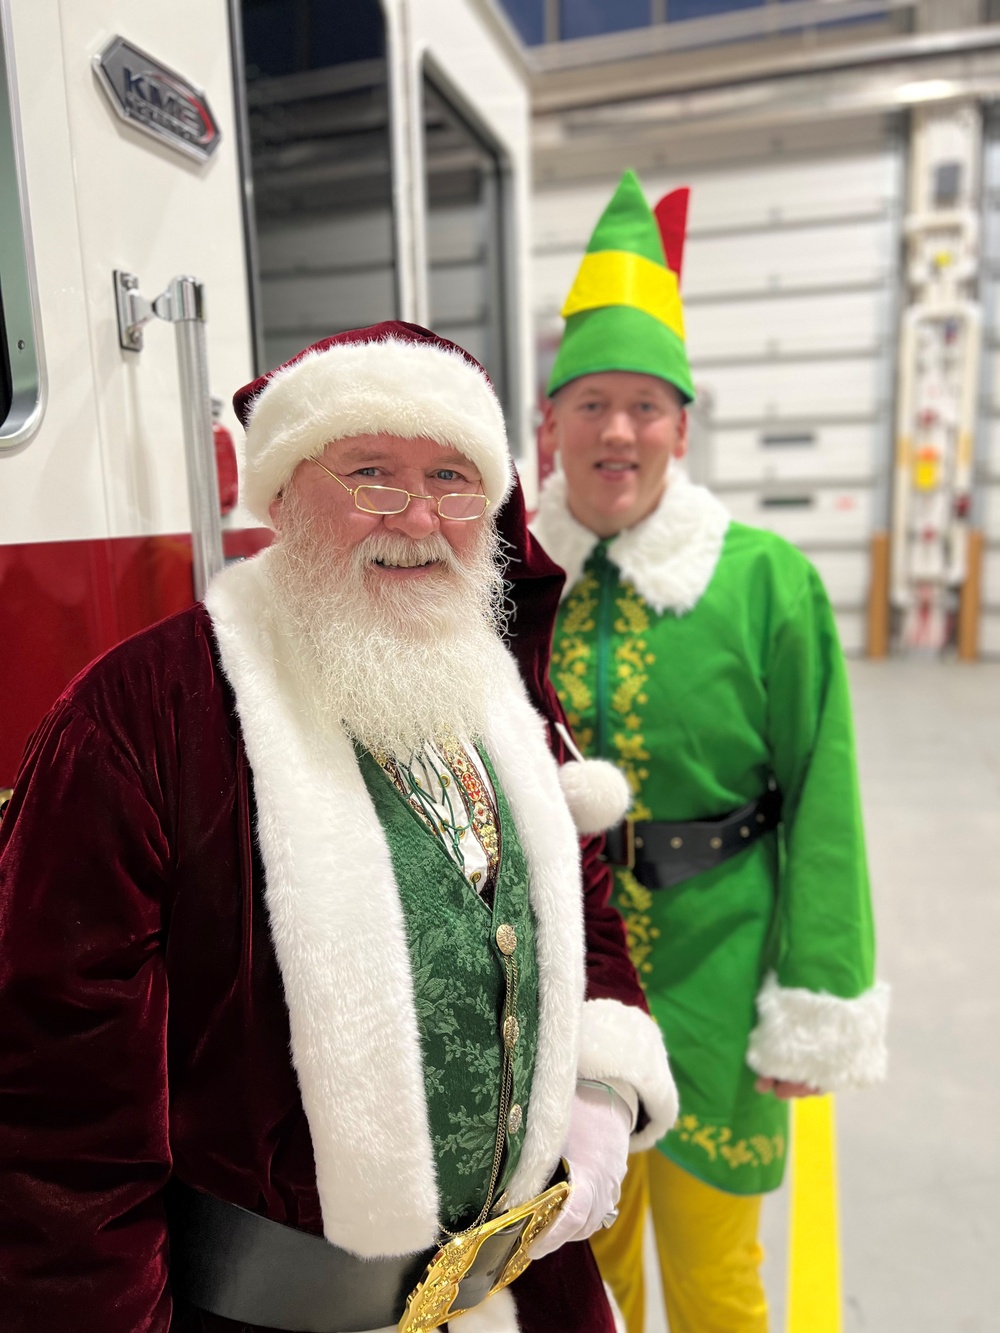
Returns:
(616, 433)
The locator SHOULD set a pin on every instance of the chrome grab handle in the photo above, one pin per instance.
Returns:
(183, 305)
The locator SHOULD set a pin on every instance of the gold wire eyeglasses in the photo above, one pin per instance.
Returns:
(455, 507)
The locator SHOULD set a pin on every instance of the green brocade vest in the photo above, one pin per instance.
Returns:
(459, 984)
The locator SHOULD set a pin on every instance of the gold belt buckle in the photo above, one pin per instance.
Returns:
(432, 1301)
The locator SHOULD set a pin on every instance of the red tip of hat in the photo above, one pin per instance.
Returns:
(671, 215)
(396, 329)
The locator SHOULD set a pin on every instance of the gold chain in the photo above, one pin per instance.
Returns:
(506, 1096)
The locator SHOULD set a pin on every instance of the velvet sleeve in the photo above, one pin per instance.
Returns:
(84, 1149)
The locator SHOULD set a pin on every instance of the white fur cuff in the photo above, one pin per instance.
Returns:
(820, 1039)
(596, 792)
(620, 1041)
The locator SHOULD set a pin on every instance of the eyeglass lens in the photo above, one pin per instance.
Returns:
(388, 500)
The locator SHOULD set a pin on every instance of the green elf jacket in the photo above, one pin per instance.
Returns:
(701, 656)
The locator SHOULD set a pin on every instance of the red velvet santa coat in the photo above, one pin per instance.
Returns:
(146, 1019)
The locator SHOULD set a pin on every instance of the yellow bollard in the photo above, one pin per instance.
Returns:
(814, 1299)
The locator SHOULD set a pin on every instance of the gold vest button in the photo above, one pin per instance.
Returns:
(515, 1119)
(506, 939)
(511, 1032)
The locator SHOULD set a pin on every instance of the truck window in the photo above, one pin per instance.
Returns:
(467, 233)
(20, 363)
(318, 112)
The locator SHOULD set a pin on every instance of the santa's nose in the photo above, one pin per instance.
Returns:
(419, 519)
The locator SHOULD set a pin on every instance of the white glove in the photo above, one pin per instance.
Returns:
(596, 1149)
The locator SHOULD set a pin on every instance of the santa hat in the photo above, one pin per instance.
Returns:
(388, 379)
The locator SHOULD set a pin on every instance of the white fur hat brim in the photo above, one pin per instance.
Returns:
(414, 389)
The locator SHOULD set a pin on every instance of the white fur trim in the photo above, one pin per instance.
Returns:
(496, 1315)
(529, 775)
(596, 792)
(389, 388)
(620, 1041)
(340, 937)
(669, 558)
(812, 1037)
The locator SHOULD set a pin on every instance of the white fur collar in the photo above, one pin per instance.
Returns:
(340, 937)
(669, 558)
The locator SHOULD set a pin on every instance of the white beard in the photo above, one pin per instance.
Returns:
(396, 664)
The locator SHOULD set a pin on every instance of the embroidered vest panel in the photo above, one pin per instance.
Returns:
(460, 983)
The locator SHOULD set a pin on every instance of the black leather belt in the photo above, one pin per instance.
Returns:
(236, 1264)
(233, 1263)
(661, 853)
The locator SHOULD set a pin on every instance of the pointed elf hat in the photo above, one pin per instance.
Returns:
(624, 310)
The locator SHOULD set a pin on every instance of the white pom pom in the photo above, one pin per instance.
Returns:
(596, 793)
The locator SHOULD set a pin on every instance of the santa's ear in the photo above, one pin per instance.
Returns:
(596, 792)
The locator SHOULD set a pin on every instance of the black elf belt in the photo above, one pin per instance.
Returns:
(233, 1263)
(661, 853)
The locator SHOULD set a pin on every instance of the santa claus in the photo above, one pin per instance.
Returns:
(307, 982)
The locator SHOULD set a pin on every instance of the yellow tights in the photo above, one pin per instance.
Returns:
(707, 1245)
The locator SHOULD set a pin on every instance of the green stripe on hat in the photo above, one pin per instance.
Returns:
(620, 338)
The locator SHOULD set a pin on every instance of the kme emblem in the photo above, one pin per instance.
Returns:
(157, 99)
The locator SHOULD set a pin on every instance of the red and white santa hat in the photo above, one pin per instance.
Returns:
(388, 379)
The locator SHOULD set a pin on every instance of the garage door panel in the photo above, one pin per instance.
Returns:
(991, 512)
(325, 243)
(458, 293)
(455, 234)
(760, 194)
(853, 252)
(807, 516)
(790, 325)
(790, 453)
(325, 303)
(991, 577)
(844, 574)
(843, 388)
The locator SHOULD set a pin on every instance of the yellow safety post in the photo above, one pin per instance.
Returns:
(814, 1300)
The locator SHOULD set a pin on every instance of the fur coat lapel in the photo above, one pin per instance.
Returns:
(669, 558)
(340, 937)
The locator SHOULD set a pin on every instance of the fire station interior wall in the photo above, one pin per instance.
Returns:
(790, 284)
(108, 459)
(987, 476)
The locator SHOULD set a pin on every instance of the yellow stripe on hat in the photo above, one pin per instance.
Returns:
(619, 277)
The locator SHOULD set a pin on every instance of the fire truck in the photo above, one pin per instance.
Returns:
(257, 174)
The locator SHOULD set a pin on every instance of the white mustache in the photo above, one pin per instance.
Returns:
(391, 548)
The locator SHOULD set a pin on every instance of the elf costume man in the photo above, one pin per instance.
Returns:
(301, 972)
(701, 656)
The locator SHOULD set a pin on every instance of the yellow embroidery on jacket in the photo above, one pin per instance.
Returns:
(631, 663)
(716, 1141)
(571, 656)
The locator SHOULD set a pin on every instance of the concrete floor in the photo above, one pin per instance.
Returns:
(920, 1156)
